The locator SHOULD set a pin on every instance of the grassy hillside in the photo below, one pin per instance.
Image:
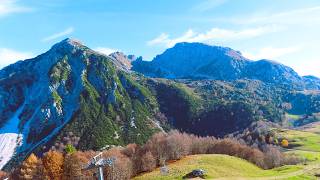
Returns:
(225, 167)
(303, 142)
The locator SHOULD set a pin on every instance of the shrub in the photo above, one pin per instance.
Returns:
(284, 143)
(69, 149)
(273, 157)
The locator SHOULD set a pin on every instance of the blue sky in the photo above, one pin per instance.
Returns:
(283, 30)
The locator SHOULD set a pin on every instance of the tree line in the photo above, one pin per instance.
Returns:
(135, 159)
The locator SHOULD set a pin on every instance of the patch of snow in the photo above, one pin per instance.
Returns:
(10, 138)
(132, 123)
(157, 123)
(48, 113)
(83, 74)
(59, 110)
(116, 135)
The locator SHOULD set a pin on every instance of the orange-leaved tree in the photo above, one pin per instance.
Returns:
(284, 143)
(53, 164)
(28, 168)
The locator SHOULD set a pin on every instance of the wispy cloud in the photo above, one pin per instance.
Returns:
(300, 16)
(308, 67)
(58, 35)
(304, 15)
(11, 6)
(271, 52)
(214, 34)
(208, 5)
(105, 50)
(9, 56)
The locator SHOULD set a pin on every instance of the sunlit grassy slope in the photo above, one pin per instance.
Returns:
(304, 142)
(302, 139)
(225, 167)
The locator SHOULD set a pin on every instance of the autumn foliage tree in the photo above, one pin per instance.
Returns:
(72, 167)
(3, 175)
(53, 164)
(148, 162)
(31, 168)
(122, 166)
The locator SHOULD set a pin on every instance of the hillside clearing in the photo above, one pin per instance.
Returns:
(226, 167)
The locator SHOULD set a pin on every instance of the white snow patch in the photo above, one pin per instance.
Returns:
(132, 123)
(48, 113)
(10, 138)
(116, 135)
(157, 123)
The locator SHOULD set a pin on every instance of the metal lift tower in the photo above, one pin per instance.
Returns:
(98, 162)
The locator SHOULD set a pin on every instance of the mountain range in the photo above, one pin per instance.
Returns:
(74, 95)
(201, 61)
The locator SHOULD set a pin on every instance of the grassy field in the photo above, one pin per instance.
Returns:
(302, 139)
(304, 142)
(225, 167)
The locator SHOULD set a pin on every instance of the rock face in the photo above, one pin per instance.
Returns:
(194, 60)
(312, 82)
(122, 60)
(200, 61)
(71, 88)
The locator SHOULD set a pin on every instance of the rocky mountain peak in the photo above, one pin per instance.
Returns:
(69, 42)
(122, 60)
(67, 45)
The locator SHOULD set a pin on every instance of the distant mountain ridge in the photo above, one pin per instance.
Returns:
(201, 61)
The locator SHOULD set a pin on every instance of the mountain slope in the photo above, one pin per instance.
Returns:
(200, 61)
(71, 88)
(195, 60)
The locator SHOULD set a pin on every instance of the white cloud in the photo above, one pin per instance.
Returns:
(58, 35)
(208, 4)
(11, 6)
(270, 52)
(106, 51)
(308, 67)
(214, 34)
(310, 15)
(9, 56)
